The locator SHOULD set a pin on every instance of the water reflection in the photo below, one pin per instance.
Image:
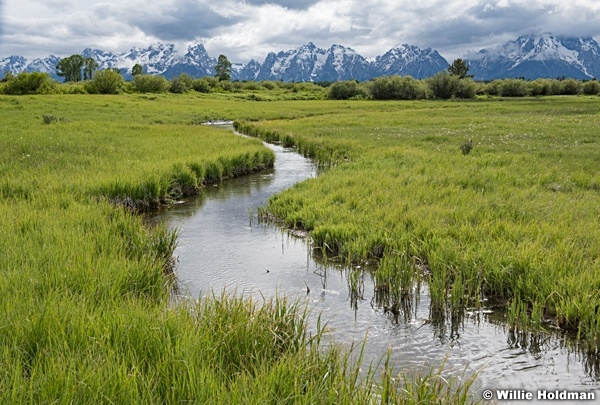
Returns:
(223, 245)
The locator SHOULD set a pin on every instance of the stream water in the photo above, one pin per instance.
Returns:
(222, 246)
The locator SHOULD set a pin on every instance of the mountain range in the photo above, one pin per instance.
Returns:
(538, 56)
(530, 57)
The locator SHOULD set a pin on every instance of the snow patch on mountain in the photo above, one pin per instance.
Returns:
(535, 56)
(529, 56)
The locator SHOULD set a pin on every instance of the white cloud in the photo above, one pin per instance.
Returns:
(244, 29)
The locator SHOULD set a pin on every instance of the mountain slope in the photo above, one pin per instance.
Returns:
(14, 64)
(538, 56)
(310, 63)
(196, 62)
(409, 60)
(531, 57)
(306, 63)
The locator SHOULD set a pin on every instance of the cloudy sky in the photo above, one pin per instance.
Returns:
(246, 29)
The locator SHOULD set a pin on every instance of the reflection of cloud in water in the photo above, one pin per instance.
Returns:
(223, 245)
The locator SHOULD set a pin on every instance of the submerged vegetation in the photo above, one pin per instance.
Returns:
(87, 315)
(514, 217)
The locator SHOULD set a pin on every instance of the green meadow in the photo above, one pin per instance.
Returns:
(87, 314)
(517, 219)
(86, 309)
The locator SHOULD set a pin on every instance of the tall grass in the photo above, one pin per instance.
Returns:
(426, 386)
(112, 147)
(515, 219)
(86, 314)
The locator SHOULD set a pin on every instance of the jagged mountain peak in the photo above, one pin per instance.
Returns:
(14, 64)
(103, 58)
(152, 50)
(338, 46)
(526, 46)
(538, 55)
(196, 49)
(197, 54)
(196, 62)
(529, 56)
(46, 65)
(91, 52)
(411, 60)
(310, 46)
(311, 63)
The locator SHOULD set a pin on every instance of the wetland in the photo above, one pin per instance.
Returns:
(224, 245)
(486, 261)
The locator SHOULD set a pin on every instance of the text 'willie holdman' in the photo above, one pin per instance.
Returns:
(541, 395)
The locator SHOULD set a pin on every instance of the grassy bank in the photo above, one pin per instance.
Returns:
(517, 218)
(86, 314)
(116, 147)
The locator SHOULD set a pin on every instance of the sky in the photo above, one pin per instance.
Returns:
(250, 29)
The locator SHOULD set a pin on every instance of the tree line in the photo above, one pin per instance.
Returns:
(81, 75)
(455, 82)
(76, 67)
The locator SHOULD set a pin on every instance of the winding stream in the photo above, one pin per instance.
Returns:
(222, 245)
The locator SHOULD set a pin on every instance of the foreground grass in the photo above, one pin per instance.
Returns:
(86, 314)
(516, 219)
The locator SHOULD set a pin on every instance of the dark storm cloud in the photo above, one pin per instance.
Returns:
(183, 20)
(486, 20)
(291, 4)
(252, 28)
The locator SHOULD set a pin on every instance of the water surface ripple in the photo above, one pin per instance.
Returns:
(223, 246)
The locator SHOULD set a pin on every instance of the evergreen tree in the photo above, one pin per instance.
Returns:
(223, 68)
(459, 68)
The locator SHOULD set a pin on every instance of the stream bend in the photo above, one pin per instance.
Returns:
(222, 246)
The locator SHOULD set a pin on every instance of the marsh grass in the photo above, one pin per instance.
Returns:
(515, 219)
(86, 311)
(426, 385)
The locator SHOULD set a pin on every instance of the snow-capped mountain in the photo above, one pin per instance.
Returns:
(196, 62)
(155, 59)
(307, 63)
(249, 71)
(298, 65)
(538, 56)
(13, 64)
(312, 64)
(409, 60)
(46, 65)
(18, 64)
(102, 58)
(530, 57)
(344, 63)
